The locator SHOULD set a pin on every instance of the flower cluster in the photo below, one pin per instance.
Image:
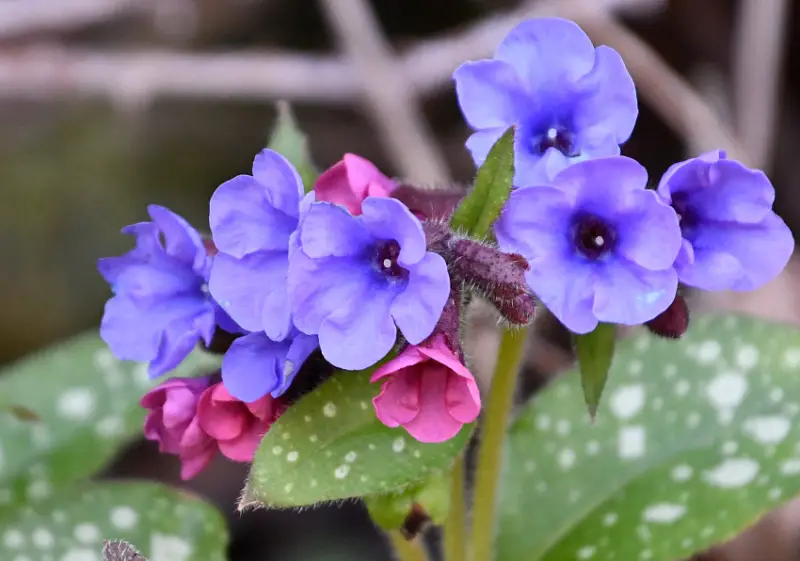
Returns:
(364, 270)
(600, 245)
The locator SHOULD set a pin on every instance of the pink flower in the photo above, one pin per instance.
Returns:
(172, 422)
(429, 392)
(350, 181)
(237, 427)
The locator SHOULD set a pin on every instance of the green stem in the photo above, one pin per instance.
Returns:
(490, 449)
(405, 550)
(455, 528)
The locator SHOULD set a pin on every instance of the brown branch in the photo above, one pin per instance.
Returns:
(389, 97)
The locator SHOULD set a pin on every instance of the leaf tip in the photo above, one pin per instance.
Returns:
(248, 500)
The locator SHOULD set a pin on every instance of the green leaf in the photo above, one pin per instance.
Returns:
(478, 211)
(330, 445)
(595, 351)
(162, 523)
(390, 511)
(86, 406)
(289, 141)
(695, 440)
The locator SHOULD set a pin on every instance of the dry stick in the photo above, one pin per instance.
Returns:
(759, 44)
(22, 17)
(135, 77)
(680, 106)
(390, 97)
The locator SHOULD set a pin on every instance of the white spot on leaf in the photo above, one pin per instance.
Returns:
(631, 443)
(747, 357)
(87, 533)
(42, 538)
(566, 459)
(76, 404)
(329, 409)
(682, 472)
(169, 548)
(627, 401)
(341, 471)
(292, 456)
(732, 473)
(664, 513)
(124, 517)
(790, 467)
(767, 430)
(727, 390)
(399, 444)
(586, 552)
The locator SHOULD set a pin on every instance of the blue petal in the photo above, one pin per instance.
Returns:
(490, 94)
(417, 309)
(328, 230)
(284, 187)
(181, 241)
(630, 295)
(649, 235)
(390, 219)
(551, 52)
(253, 367)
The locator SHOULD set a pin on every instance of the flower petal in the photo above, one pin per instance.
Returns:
(181, 241)
(179, 339)
(361, 331)
(253, 367)
(630, 295)
(417, 309)
(328, 230)
(242, 286)
(481, 142)
(490, 94)
(650, 236)
(549, 52)
(390, 219)
(605, 186)
(433, 423)
(606, 110)
(244, 220)
(399, 400)
(284, 186)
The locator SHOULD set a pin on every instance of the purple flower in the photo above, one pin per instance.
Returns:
(161, 308)
(601, 247)
(252, 218)
(569, 100)
(732, 240)
(255, 365)
(353, 280)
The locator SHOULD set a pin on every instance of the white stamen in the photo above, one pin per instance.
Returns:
(552, 134)
(387, 263)
(599, 241)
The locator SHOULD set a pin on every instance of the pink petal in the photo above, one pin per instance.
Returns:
(180, 406)
(434, 423)
(410, 356)
(220, 417)
(462, 398)
(399, 400)
(194, 464)
(263, 409)
(242, 448)
(437, 350)
(194, 436)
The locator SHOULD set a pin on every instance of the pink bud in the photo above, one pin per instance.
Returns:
(172, 422)
(350, 181)
(429, 392)
(238, 427)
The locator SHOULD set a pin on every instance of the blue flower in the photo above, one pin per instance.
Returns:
(161, 308)
(569, 100)
(252, 219)
(600, 246)
(732, 240)
(255, 365)
(354, 280)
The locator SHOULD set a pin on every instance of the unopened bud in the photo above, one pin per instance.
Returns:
(430, 204)
(673, 322)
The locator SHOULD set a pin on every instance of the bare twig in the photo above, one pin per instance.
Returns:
(389, 96)
(681, 106)
(50, 71)
(759, 42)
(20, 17)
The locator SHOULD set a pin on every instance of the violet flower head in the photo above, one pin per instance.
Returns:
(354, 280)
(161, 308)
(600, 246)
(569, 100)
(255, 365)
(732, 240)
(252, 218)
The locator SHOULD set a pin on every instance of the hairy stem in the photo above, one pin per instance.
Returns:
(455, 528)
(405, 550)
(490, 449)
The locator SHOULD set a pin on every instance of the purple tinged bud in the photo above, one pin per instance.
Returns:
(673, 322)
(430, 204)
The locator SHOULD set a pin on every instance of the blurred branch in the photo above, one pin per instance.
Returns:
(390, 99)
(22, 17)
(48, 71)
(758, 47)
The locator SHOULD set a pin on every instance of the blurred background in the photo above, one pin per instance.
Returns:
(108, 105)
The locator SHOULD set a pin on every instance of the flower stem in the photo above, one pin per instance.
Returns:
(490, 449)
(405, 550)
(455, 528)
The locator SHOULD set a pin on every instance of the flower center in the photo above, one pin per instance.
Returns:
(593, 237)
(558, 138)
(386, 260)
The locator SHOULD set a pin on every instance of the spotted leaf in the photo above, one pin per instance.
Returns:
(165, 524)
(330, 445)
(694, 440)
(84, 406)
